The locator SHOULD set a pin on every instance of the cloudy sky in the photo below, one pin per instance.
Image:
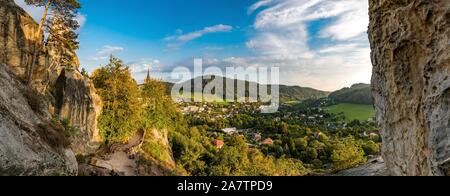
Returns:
(316, 43)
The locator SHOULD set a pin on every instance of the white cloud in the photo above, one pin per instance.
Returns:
(107, 50)
(351, 24)
(282, 38)
(144, 65)
(258, 5)
(178, 40)
(213, 48)
(207, 30)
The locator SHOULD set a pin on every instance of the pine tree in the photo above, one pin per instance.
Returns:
(62, 37)
(62, 6)
(120, 118)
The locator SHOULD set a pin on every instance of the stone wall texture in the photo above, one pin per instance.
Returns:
(410, 41)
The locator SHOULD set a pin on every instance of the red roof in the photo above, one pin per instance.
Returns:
(267, 141)
(218, 143)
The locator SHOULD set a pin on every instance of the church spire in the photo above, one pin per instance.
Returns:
(148, 75)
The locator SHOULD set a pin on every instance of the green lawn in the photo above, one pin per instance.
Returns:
(353, 111)
(292, 102)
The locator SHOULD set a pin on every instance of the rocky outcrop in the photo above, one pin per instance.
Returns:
(17, 41)
(410, 41)
(31, 143)
(375, 167)
(71, 96)
(76, 101)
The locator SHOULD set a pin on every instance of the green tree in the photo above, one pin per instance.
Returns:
(121, 106)
(347, 153)
(292, 146)
(188, 153)
(84, 72)
(159, 110)
(301, 143)
(312, 154)
(284, 128)
(231, 161)
(61, 6)
(62, 39)
(289, 167)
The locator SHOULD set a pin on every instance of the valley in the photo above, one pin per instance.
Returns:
(98, 97)
(325, 136)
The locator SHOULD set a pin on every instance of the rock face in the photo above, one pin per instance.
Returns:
(375, 167)
(30, 142)
(76, 101)
(410, 41)
(17, 39)
(28, 133)
(71, 95)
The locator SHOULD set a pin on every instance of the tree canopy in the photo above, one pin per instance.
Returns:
(121, 106)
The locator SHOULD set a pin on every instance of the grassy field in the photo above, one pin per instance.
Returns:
(353, 111)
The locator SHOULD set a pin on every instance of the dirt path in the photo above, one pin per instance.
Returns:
(122, 164)
(119, 161)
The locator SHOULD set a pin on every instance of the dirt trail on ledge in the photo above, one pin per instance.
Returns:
(113, 160)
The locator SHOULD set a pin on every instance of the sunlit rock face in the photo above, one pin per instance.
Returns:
(68, 94)
(410, 41)
(76, 101)
(18, 34)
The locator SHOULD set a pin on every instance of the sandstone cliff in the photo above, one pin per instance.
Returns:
(62, 89)
(71, 95)
(410, 42)
(30, 142)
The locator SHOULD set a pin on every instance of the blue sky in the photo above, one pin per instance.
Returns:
(316, 43)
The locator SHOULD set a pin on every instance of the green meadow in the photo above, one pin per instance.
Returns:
(353, 111)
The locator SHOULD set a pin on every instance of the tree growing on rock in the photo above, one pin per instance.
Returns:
(60, 6)
(120, 118)
(62, 36)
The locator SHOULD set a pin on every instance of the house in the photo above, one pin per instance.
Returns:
(257, 137)
(218, 144)
(230, 131)
(267, 141)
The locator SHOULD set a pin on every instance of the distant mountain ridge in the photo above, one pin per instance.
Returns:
(287, 93)
(356, 94)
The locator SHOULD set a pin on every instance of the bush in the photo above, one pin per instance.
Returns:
(53, 134)
(371, 148)
(34, 99)
(157, 150)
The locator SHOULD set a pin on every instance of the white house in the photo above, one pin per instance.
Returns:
(230, 131)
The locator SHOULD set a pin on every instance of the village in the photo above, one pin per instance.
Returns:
(300, 130)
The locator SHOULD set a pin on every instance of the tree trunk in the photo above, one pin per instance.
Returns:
(37, 44)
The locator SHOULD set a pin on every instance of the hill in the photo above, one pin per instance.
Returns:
(356, 94)
(287, 93)
(297, 93)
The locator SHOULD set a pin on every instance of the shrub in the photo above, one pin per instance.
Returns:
(53, 134)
